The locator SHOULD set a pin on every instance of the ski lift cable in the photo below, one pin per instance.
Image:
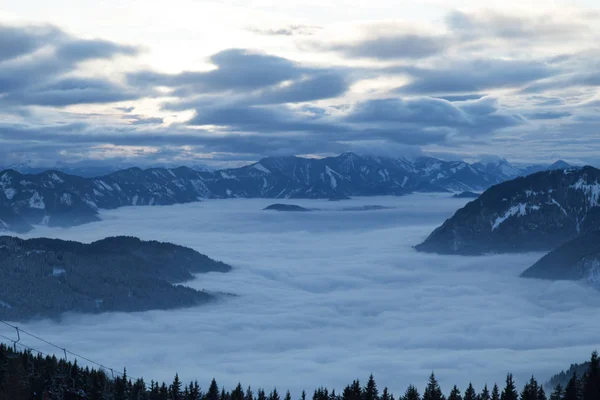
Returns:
(63, 349)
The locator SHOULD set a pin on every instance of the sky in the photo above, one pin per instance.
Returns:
(329, 296)
(228, 82)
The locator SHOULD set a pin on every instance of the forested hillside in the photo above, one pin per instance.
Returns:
(24, 376)
(47, 277)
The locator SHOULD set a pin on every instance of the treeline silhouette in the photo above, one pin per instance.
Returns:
(25, 375)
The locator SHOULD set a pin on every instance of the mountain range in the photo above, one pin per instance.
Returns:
(56, 198)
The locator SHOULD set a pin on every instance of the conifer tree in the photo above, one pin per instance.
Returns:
(237, 393)
(557, 393)
(303, 395)
(433, 391)
(370, 391)
(261, 395)
(176, 388)
(591, 381)
(495, 392)
(288, 396)
(385, 395)
(470, 393)
(530, 390)
(572, 389)
(213, 391)
(412, 393)
(249, 395)
(485, 394)
(353, 391)
(195, 392)
(510, 391)
(274, 395)
(455, 394)
(541, 394)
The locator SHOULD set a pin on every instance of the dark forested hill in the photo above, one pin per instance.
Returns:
(537, 212)
(578, 259)
(46, 277)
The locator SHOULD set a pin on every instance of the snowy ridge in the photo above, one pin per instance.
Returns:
(69, 200)
(534, 213)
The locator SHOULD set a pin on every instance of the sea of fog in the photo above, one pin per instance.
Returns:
(328, 296)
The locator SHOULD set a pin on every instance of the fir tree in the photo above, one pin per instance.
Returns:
(288, 396)
(213, 391)
(485, 394)
(385, 395)
(495, 392)
(195, 392)
(353, 391)
(510, 391)
(455, 394)
(572, 389)
(370, 391)
(176, 388)
(470, 393)
(557, 393)
(274, 395)
(249, 395)
(433, 391)
(261, 395)
(237, 393)
(591, 381)
(412, 393)
(541, 394)
(530, 390)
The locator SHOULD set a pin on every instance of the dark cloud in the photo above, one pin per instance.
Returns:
(393, 47)
(316, 86)
(549, 115)
(125, 109)
(474, 75)
(69, 91)
(18, 41)
(237, 70)
(478, 117)
(81, 50)
(462, 97)
(40, 78)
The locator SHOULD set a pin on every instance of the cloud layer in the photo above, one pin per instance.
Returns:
(329, 296)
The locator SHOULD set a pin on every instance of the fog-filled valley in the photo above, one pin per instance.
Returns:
(327, 296)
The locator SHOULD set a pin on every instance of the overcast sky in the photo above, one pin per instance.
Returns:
(226, 82)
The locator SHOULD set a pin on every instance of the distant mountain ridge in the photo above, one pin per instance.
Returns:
(533, 213)
(57, 199)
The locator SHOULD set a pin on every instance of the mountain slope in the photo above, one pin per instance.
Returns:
(46, 277)
(578, 259)
(537, 212)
